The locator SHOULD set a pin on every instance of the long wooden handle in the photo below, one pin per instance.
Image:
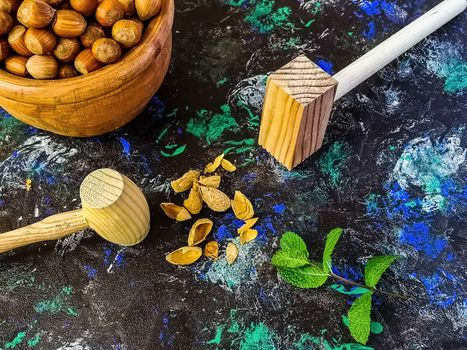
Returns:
(51, 228)
(397, 44)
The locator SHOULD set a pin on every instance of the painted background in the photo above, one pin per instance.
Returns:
(392, 171)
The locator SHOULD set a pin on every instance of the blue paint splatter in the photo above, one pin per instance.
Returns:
(325, 65)
(418, 236)
(90, 271)
(370, 33)
(279, 208)
(126, 146)
(164, 338)
(441, 287)
(223, 233)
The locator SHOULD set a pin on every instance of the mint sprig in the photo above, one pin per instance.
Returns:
(296, 268)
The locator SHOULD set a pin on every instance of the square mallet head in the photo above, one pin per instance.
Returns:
(297, 105)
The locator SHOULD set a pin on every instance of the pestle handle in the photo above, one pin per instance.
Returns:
(397, 44)
(51, 228)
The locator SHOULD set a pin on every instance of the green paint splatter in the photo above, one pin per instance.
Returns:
(375, 327)
(218, 337)
(56, 304)
(173, 113)
(341, 289)
(176, 150)
(162, 134)
(34, 341)
(333, 160)
(72, 312)
(350, 34)
(8, 125)
(258, 337)
(392, 148)
(239, 147)
(210, 126)
(308, 24)
(18, 340)
(265, 19)
(221, 82)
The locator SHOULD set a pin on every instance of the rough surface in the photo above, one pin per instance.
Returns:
(392, 171)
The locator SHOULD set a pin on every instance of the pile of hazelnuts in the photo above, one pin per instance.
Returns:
(50, 39)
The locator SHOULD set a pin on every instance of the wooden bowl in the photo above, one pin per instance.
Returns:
(98, 102)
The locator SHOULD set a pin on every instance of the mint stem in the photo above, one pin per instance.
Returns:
(352, 283)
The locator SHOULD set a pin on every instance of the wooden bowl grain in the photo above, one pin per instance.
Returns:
(98, 102)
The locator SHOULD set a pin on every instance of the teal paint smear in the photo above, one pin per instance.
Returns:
(375, 327)
(341, 289)
(211, 126)
(173, 113)
(258, 337)
(34, 341)
(72, 312)
(162, 134)
(222, 81)
(308, 24)
(176, 150)
(218, 337)
(18, 340)
(238, 147)
(333, 160)
(55, 305)
(456, 80)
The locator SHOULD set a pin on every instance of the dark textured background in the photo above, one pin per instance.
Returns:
(392, 171)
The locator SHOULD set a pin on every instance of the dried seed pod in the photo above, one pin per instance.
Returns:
(249, 223)
(35, 13)
(210, 181)
(215, 199)
(86, 63)
(67, 49)
(184, 255)
(185, 182)
(211, 250)
(147, 9)
(242, 207)
(17, 65)
(9, 6)
(68, 24)
(93, 32)
(175, 212)
(40, 41)
(86, 7)
(212, 167)
(228, 165)
(4, 50)
(199, 231)
(248, 236)
(67, 71)
(128, 6)
(108, 12)
(106, 50)
(231, 253)
(194, 202)
(127, 32)
(6, 22)
(42, 66)
(16, 40)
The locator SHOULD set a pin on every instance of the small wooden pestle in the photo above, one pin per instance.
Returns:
(112, 205)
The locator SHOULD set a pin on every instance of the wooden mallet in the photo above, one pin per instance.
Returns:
(300, 95)
(112, 205)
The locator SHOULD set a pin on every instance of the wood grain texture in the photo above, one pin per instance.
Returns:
(101, 101)
(296, 111)
(51, 228)
(115, 207)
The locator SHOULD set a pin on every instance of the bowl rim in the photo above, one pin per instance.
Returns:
(153, 30)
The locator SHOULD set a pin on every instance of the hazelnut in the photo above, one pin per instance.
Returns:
(108, 12)
(16, 65)
(68, 24)
(106, 50)
(35, 13)
(86, 63)
(127, 32)
(67, 49)
(42, 66)
(40, 41)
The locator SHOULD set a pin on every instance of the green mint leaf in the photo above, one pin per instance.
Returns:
(331, 242)
(292, 241)
(341, 289)
(360, 318)
(289, 258)
(375, 327)
(309, 276)
(375, 268)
